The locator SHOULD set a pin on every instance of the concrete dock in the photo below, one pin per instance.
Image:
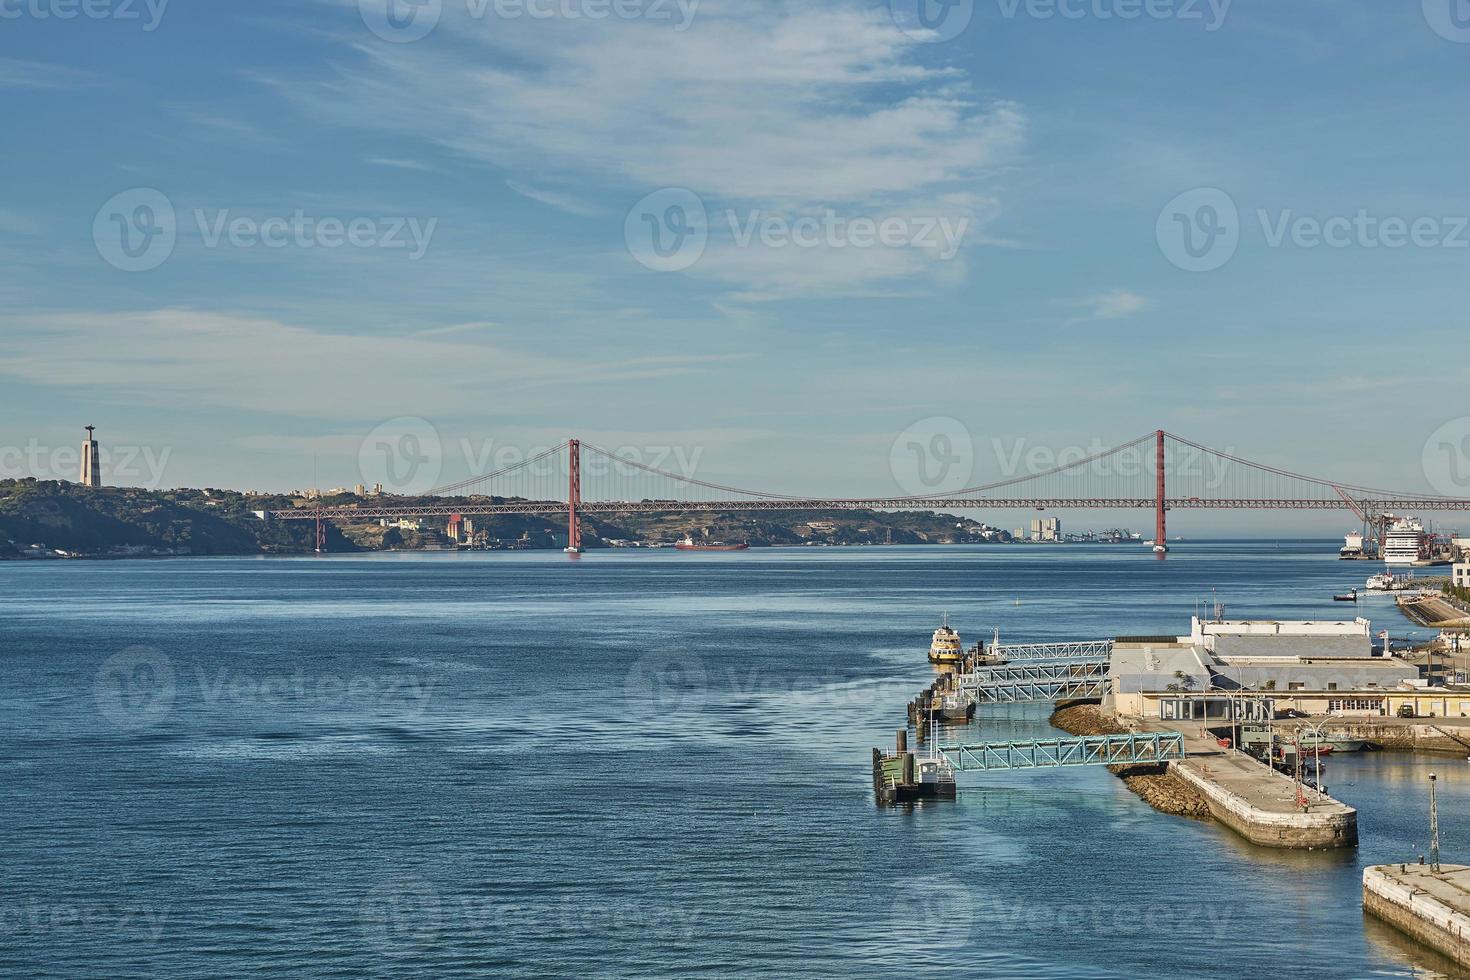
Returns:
(1434, 908)
(1260, 803)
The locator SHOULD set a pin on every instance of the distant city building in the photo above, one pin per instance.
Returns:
(91, 475)
(1462, 574)
(1046, 529)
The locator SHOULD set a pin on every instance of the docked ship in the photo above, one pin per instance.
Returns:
(946, 647)
(1406, 543)
(1352, 546)
(689, 544)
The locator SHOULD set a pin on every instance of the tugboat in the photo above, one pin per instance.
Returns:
(946, 648)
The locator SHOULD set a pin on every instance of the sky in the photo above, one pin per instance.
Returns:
(782, 242)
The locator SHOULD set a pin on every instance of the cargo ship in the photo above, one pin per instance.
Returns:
(689, 544)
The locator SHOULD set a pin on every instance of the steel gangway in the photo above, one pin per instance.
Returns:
(1049, 753)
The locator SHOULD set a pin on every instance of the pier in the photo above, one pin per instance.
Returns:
(1433, 906)
(1260, 804)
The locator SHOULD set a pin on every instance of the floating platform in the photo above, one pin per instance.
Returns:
(1433, 907)
(903, 777)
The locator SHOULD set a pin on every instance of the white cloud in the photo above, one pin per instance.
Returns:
(1113, 305)
(776, 105)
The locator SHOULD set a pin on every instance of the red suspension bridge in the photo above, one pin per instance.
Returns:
(1159, 472)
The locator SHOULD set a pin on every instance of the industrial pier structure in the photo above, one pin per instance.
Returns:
(1429, 902)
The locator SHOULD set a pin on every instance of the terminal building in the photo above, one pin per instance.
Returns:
(1256, 669)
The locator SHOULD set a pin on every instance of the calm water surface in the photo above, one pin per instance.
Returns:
(633, 764)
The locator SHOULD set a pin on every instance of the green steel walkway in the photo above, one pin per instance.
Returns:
(1048, 753)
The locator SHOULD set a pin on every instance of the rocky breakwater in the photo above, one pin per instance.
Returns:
(1154, 784)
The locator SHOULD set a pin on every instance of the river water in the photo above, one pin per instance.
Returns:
(651, 764)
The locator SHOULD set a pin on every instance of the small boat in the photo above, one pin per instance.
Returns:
(1385, 582)
(689, 544)
(945, 647)
(1346, 596)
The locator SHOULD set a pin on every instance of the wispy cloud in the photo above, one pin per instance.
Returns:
(192, 359)
(1113, 305)
(19, 73)
(562, 202)
(399, 163)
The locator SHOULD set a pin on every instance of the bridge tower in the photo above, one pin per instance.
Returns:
(574, 497)
(1161, 529)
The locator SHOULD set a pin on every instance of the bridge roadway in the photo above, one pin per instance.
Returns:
(490, 506)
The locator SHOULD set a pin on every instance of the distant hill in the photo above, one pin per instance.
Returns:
(41, 518)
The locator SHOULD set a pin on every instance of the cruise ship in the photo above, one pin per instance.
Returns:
(1405, 543)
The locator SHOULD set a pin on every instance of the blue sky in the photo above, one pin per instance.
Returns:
(500, 171)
